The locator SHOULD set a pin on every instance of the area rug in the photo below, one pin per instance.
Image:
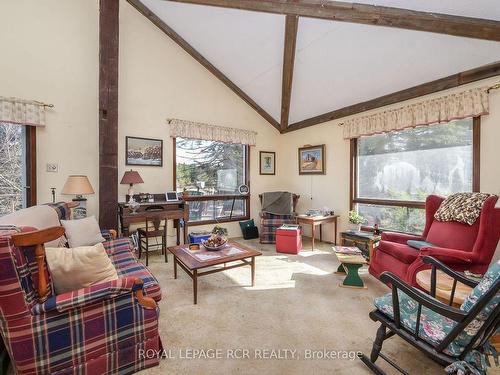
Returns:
(296, 320)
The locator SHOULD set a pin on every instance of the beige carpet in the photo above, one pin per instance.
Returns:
(295, 305)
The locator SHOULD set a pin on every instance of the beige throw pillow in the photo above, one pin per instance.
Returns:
(80, 267)
(82, 232)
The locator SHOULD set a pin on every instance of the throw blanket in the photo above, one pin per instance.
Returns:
(277, 202)
(462, 207)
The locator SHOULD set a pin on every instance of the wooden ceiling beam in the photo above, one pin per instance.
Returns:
(158, 22)
(468, 76)
(369, 15)
(291, 26)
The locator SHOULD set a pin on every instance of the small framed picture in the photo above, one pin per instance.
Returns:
(143, 151)
(267, 162)
(312, 160)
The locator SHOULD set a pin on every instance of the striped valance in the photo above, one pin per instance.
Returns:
(468, 103)
(23, 112)
(198, 130)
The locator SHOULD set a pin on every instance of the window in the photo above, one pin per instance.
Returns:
(210, 173)
(394, 172)
(17, 171)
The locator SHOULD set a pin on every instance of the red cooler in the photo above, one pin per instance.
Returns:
(288, 241)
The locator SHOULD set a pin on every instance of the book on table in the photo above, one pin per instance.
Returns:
(349, 250)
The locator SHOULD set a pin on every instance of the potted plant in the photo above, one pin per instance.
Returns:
(220, 231)
(355, 220)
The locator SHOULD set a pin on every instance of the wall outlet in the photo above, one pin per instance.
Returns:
(52, 167)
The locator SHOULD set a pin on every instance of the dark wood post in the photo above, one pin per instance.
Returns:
(108, 113)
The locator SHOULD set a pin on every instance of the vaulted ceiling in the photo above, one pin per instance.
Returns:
(303, 62)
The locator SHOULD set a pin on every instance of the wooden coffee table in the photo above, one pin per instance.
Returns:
(192, 264)
(350, 265)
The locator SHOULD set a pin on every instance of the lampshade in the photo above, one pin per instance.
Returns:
(77, 185)
(131, 177)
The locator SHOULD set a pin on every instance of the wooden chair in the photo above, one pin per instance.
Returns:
(154, 229)
(448, 335)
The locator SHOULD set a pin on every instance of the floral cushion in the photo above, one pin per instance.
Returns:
(434, 327)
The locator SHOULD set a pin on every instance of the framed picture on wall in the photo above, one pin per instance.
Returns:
(312, 160)
(143, 151)
(267, 162)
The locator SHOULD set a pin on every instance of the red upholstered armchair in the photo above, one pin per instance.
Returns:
(460, 246)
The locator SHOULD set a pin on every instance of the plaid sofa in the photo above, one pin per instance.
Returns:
(101, 329)
(270, 222)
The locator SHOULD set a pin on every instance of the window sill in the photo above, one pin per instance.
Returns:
(218, 221)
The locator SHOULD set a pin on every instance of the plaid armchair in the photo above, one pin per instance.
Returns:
(96, 330)
(270, 222)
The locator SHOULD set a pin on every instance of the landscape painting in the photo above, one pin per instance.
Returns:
(312, 160)
(144, 151)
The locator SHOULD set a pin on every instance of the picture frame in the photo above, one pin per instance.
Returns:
(267, 163)
(312, 160)
(143, 151)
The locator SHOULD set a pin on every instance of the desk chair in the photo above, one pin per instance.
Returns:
(154, 229)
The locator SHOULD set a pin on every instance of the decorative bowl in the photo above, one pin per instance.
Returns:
(215, 243)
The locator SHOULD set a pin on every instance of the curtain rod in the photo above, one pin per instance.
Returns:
(494, 87)
(44, 104)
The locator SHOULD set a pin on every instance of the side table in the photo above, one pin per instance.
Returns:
(365, 241)
(444, 284)
(314, 221)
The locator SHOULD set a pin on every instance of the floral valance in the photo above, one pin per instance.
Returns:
(198, 130)
(469, 103)
(23, 112)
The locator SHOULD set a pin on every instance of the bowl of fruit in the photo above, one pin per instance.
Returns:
(215, 242)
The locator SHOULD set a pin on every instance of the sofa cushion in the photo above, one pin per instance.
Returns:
(82, 232)
(404, 253)
(453, 235)
(79, 267)
(120, 251)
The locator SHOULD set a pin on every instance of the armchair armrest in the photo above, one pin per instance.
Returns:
(400, 237)
(419, 297)
(447, 270)
(448, 255)
(94, 294)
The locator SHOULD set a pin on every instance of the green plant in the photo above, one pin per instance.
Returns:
(355, 218)
(219, 230)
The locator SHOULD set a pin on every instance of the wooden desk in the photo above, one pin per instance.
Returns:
(313, 221)
(155, 211)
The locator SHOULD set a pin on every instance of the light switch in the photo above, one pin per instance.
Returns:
(52, 167)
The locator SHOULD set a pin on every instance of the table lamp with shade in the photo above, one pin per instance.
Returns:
(78, 185)
(131, 177)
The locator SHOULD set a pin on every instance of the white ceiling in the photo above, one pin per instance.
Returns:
(337, 64)
(246, 46)
(489, 9)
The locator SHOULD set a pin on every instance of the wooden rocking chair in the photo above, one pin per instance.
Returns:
(446, 334)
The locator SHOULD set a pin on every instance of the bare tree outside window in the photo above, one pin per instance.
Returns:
(12, 166)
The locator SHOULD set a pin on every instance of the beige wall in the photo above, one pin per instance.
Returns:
(158, 80)
(332, 190)
(50, 53)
